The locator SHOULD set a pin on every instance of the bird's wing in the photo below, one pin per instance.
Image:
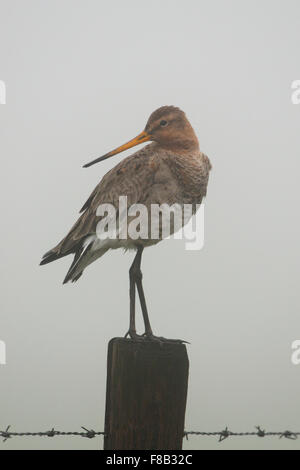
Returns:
(132, 177)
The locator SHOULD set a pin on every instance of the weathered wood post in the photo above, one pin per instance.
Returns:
(145, 395)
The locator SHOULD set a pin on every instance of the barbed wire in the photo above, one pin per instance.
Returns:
(90, 434)
(222, 435)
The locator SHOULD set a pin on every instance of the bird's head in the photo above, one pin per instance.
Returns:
(169, 127)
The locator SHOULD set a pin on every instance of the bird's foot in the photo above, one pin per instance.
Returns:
(134, 336)
(162, 340)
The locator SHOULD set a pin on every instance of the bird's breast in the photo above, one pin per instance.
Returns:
(185, 177)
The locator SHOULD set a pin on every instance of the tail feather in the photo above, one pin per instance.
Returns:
(75, 279)
(70, 274)
(85, 253)
(82, 259)
(52, 256)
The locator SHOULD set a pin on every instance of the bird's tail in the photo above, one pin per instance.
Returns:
(53, 255)
(83, 257)
(86, 252)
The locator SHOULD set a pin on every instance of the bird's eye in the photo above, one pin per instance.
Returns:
(163, 123)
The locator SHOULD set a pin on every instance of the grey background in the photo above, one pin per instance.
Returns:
(82, 77)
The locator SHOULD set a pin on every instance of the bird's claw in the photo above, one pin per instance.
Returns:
(162, 340)
(134, 336)
(151, 337)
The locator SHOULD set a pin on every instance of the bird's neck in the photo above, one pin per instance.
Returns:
(185, 142)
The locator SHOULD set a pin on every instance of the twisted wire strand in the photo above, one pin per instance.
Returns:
(90, 434)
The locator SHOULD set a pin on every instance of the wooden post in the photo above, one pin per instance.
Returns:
(145, 395)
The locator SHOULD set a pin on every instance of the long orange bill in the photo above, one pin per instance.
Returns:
(139, 139)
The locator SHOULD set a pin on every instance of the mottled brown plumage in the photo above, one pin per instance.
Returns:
(170, 170)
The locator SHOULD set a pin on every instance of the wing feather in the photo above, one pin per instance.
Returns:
(132, 177)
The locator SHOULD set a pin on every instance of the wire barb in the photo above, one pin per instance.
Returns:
(260, 432)
(5, 434)
(224, 434)
(90, 434)
(51, 433)
(289, 435)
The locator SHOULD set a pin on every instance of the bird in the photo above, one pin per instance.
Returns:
(170, 169)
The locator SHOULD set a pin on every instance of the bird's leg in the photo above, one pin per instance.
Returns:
(132, 279)
(138, 280)
(139, 285)
(136, 277)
